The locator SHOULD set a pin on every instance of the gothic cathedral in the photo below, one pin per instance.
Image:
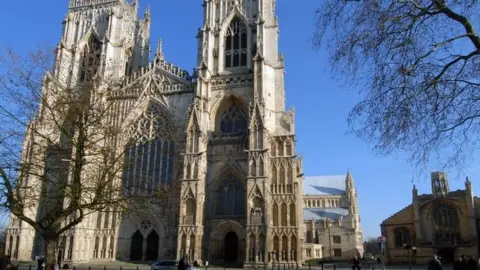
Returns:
(222, 135)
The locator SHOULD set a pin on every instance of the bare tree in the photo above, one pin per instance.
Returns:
(417, 64)
(69, 165)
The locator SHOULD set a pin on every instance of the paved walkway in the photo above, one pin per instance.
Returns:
(116, 265)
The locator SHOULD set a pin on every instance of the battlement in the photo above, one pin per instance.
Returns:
(86, 3)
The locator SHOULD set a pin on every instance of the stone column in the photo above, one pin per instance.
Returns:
(8, 250)
(289, 250)
(280, 249)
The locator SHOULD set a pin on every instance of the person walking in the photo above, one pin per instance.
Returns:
(183, 263)
(435, 264)
(356, 263)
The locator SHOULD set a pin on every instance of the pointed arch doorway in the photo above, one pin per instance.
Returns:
(230, 248)
(136, 246)
(152, 246)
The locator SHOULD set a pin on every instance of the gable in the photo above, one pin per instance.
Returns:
(403, 216)
(159, 78)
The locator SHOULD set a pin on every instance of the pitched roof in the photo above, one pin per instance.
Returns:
(404, 215)
(324, 213)
(324, 185)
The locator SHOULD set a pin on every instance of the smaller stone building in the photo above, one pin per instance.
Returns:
(444, 222)
(331, 218)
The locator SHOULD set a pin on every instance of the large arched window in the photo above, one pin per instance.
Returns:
(446, 223)
(402, 236)
(230, 197)
(236, 44)
(233, 121)
(90, 59)
(149, 158)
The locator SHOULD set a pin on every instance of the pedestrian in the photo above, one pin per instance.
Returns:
(471, 264)
(435, 264)
(183, 263)
(356, 263)
(458, 264)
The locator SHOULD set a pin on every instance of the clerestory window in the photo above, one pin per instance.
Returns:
(236, 44)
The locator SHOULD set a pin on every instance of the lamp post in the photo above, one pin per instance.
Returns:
(382, 240)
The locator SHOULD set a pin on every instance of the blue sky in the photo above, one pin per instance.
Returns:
(384, 183)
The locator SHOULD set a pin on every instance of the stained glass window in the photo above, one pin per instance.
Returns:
(236, 44)
(230, 196)
(149, 158)
(233, 121)
(446, 223)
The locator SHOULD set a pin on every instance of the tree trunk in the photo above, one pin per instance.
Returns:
(50, 250)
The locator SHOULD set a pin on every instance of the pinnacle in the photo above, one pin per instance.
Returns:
(159, 53)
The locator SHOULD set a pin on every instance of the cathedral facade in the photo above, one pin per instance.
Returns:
(221, 134)
(444, 222)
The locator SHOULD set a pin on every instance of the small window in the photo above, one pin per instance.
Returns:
(337, 252)
(337, 239)
(308, 238)
(309, 252)
(317, 253)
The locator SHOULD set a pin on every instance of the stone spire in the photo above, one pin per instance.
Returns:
(147, 14)
(349, 181)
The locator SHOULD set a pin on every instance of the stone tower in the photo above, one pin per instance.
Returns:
(439, 184)
(241, 191)
(112, 29)
(107, 36)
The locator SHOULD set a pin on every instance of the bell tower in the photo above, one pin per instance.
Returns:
(439, 184)
(104, 37)
(249, 180)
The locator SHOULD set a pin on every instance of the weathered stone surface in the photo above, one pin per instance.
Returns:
(223, 134)
(443, 223)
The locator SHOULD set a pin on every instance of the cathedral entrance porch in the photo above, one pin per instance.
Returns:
(226, 245)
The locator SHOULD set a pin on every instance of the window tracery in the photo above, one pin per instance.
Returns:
(230, 197)
(236, 44)
(233, 121)
(446, 223)
(275, 214)
(149, 158)
(90, 60)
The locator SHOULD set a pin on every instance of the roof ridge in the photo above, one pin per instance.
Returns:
(396, 213)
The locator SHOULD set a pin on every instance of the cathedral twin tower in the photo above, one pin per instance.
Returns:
(221, 136)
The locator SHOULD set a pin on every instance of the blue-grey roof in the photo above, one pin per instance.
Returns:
(324, 213)
(324, 185)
